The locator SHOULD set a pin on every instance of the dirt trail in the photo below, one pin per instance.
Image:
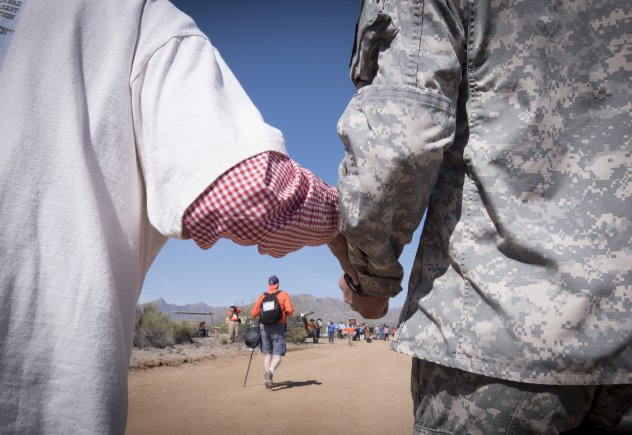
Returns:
(324, 389)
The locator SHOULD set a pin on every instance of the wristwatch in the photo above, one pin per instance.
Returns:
(355, 288)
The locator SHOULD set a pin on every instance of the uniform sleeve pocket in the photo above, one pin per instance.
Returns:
(374, 31)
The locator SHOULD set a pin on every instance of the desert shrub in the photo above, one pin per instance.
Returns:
(295, 333)
(221, 327)
(183, 332)
(156, 329)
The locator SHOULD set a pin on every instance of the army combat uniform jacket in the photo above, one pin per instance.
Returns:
(509, 122)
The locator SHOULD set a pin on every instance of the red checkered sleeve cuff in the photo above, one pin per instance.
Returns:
(269, 201)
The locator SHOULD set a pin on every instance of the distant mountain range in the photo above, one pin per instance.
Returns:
(324, 308)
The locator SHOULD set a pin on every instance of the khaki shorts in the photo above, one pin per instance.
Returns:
(451, 401)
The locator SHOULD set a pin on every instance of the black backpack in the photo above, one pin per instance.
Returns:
(270, 308)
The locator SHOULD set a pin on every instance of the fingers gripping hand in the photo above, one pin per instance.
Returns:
(369, 307)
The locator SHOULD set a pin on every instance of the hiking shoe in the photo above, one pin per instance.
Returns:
(269, 383)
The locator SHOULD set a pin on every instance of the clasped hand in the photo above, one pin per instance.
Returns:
(369, 307)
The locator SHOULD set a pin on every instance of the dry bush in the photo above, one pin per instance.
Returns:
(221, 327)
(156, 329)
(295, 333)
(183, 332)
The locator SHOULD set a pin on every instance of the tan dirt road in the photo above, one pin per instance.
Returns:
(325, 389)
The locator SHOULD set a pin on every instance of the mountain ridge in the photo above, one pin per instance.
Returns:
(325, 308)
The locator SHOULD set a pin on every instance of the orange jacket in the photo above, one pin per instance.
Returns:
(284, 302)
(230, 316)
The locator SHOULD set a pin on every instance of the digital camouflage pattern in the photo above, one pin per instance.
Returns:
(449, 401)
(510, 121)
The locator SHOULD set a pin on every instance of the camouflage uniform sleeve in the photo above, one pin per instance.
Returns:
(407, 66)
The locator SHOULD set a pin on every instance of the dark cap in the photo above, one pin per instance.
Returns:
(273, 280)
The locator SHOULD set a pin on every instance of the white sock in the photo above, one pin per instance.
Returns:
(271, 371)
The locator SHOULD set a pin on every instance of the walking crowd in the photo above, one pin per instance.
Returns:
(350, 331)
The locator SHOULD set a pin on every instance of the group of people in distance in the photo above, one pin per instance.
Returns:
(352, 331)
(363, 331)
(507, 124)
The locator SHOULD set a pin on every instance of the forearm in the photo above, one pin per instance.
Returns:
(385, 184)
(395, 131)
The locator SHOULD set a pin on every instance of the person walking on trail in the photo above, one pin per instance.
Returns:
(233, 322)
(122, 127)
(508, 123)
(331, 330)
(273, 308)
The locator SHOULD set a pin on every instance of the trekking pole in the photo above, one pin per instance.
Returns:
(252, 342)
(251, 353)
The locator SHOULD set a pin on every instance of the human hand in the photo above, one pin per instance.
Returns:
(369, 307)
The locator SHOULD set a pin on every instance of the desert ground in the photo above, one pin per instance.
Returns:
(320, 389)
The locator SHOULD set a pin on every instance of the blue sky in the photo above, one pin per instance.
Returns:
(292, 58)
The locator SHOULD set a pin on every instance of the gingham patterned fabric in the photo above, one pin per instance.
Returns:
(269, 201)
